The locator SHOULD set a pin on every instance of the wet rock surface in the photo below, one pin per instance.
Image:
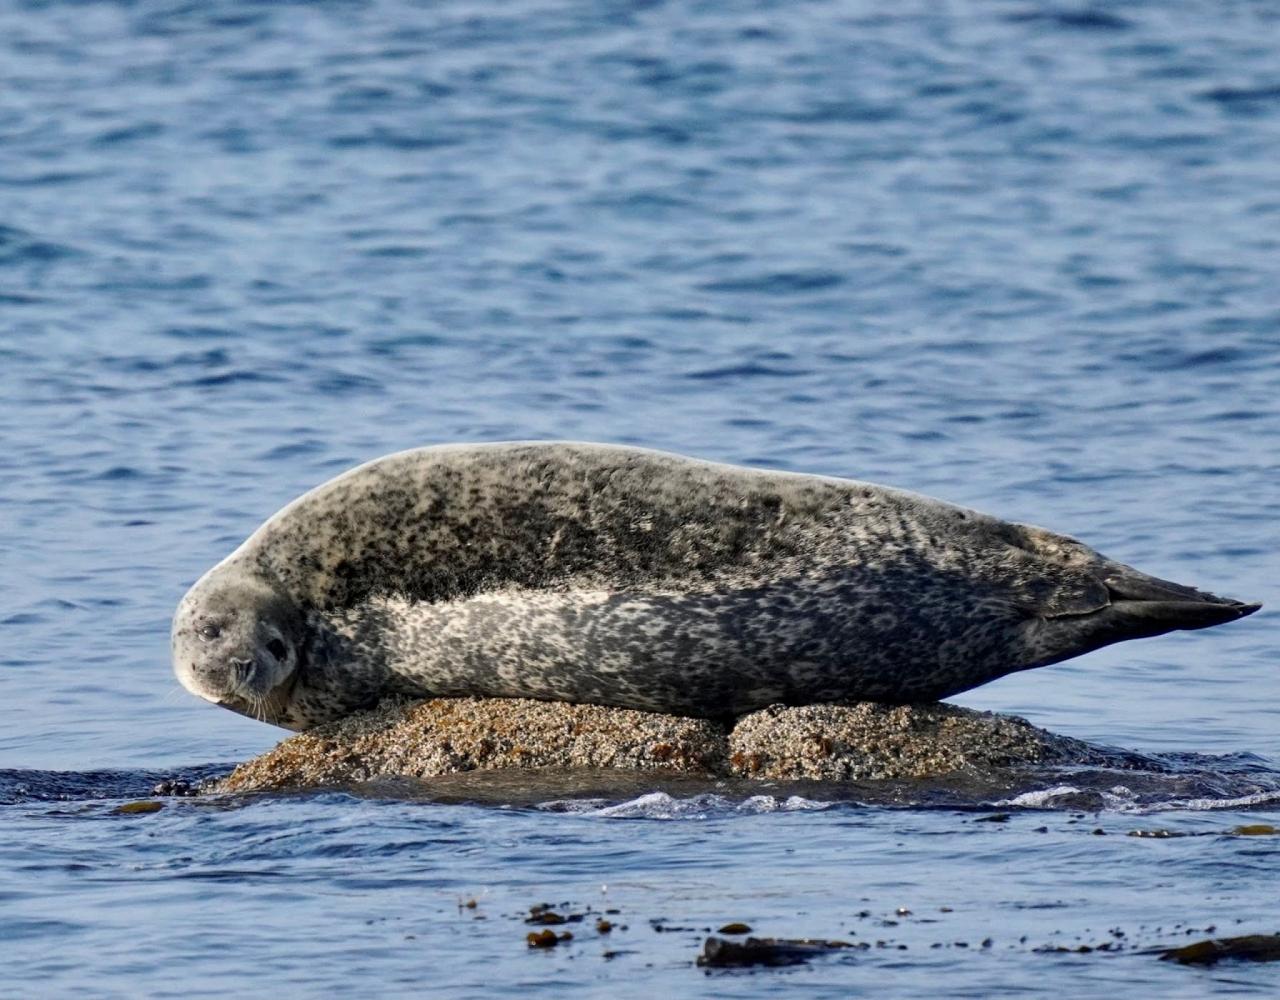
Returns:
(830, 743)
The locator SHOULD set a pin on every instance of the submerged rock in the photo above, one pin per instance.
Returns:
(823, 742)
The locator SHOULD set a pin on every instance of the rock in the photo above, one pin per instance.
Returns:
(447, 735)
(869, 741)
(825, 742)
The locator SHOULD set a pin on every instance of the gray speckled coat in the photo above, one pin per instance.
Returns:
(619, 576)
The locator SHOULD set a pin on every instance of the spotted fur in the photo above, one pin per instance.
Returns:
(619, 576)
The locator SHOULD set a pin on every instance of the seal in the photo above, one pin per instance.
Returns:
(619, 576)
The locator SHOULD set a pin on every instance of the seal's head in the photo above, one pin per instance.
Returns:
(237, 642)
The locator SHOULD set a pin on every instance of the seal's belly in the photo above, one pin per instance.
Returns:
(794, 641)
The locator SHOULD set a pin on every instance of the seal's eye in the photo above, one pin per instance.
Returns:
(276, 648)
(209, 631)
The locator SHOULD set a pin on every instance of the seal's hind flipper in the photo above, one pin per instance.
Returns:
(1139, 606)
(1150, 606)
(1140, 618)
(1128, 584)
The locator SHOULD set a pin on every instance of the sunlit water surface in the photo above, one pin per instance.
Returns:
(1017, 255)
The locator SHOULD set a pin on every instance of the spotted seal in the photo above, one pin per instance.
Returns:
(620, 576)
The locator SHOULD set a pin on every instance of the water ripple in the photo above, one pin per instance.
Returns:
(1020, 256)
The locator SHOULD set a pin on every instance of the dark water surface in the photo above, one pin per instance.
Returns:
(1019, 255)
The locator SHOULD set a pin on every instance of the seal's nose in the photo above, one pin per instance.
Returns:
(240, 671)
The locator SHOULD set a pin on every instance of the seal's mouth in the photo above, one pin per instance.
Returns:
(268, 706)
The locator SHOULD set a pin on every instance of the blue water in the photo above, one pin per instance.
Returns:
(1018, 255)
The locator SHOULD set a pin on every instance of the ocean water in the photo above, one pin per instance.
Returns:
(1020, 255)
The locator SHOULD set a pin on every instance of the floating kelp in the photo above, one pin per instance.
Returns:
(718, 953)
(1248, 948)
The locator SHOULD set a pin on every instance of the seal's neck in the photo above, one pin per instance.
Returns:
(344, 666)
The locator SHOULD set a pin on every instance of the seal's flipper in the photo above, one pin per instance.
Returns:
(1128, 584)
(1136, 619)
(1139, 606)
(1147, 605)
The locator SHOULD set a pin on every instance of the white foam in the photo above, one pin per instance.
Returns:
(1241, 802)
(661, 805)
(1116, 799)
(1121, 799)
(1041, 799)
